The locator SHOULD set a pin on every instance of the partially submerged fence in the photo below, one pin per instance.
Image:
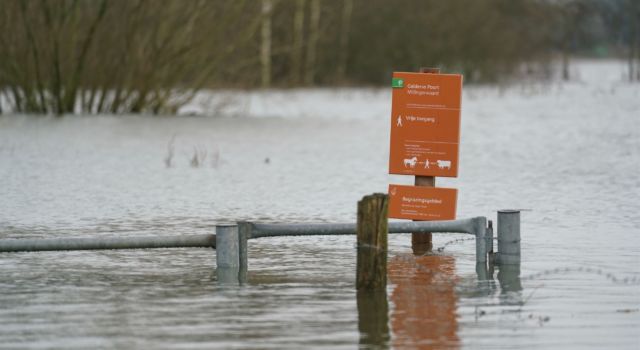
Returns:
(97, 243)
(231, 241)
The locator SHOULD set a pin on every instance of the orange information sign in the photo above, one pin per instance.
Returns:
(425, 124)
(422, 203)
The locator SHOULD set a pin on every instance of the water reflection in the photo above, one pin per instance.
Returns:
(424, 299)
(484, 271)
(373, 319)
(421, 243)
(231, 275)
(486, 285)
(508, 279)
(510, 285)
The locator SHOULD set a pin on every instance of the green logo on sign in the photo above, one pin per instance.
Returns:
(397, 82)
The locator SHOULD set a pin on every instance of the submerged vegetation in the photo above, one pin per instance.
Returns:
(142, 56)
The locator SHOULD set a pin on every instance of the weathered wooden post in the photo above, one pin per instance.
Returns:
(371, 273)
(372, 242)
(422, 242)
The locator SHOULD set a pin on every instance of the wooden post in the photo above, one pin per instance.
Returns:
(372, 231)
(421, 242)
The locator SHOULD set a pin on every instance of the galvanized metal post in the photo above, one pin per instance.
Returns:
(482, 271)
(480, 228)
(509, 278)
(508, 237)
(489, 237)
(244, 233)
(228, 254)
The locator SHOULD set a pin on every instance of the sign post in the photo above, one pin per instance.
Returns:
(422, 243)
(425, 137)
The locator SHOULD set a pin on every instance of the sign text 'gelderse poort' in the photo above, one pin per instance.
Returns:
(425, 124)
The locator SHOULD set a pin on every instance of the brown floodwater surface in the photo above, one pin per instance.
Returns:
(569, 153)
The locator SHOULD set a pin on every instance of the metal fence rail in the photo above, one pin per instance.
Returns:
(231, 241)
(51, 244)
(274, 230)
(476, 226)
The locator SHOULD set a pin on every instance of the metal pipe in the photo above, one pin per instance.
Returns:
(475, 226)
(461, 226)
(231, 240)
(275, 230)
(509, 237)
(97, 243)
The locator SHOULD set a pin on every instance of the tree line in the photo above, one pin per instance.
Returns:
(145, 56)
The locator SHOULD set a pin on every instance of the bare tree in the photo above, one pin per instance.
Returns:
(633, 11)
(265, 49)
(345, 25)
(314, 34)
(298, 38)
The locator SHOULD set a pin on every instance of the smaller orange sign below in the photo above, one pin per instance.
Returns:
(422, 203)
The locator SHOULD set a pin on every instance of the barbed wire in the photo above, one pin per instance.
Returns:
(634, 280)
(439, 277)
(453, 241)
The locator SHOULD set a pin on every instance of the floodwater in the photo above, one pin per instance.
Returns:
(568, 153)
